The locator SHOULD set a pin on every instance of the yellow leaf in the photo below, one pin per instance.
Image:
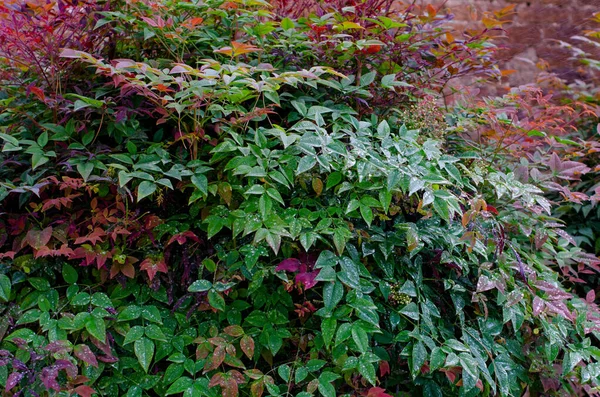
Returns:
(349, 25)
(490, 22)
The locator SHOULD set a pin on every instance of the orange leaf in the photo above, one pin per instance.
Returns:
(191, 23)
(237, 49)
(431, 11)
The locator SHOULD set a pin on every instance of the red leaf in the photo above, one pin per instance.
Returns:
(183, 237)
(217, 380)
(290, 265)
(247, 345)
(230, 389)
(237, 376)
(217, 358)
(376, 392)
(491, 209)
(39, 238)
(84, 391)
(152, 266)
(384, 368)
(85, 354)
(8, 254)
(234, 330)
(96, 236)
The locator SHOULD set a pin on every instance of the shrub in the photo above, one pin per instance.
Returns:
(209, 217)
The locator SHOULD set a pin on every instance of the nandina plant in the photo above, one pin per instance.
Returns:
(210, 218)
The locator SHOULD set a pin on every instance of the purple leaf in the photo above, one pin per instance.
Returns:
(538, 306)
(18, 364)
(85, 354)
(290, 265)
(308, 279)
(13, 380)
(48, 378)
(59, 346)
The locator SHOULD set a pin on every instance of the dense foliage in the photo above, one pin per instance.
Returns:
(231, 198)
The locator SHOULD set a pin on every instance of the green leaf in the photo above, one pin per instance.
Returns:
(383, 129)
(360, 338)
(96, 327)
(43, 139)
(179, 386)
(287, 24)
(441, 207)
(145, 189)
(367, 78)
(29, 317)
(151, 313)
(134, 391)
(301, 374)
(134, 333)
(201, 183)
(69, 274)
(41, 284)
(154, 332)
(367, 369)
(333, 179)
(305, 164)
(275, 195)
(5, 287)
(38, 159)
(332, 294)
(130, 313)
(340, 238)
(144, 351)
(325, 386)
(349, 274)
(265, 204)
(438, 357)
(101, 300)
(419, 355)
(81, 299)
(216, 300)
(284, 372)
(83, 102)
(200, 286)
(411, 310)
(23, 333)
(367, 213)
(9, 139)
(85, 169)
(315, 365)
(328, 328)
